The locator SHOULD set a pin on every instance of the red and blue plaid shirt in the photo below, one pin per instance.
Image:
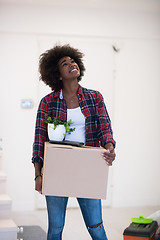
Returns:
(97, 121)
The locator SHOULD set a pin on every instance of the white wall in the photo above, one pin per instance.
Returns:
(18, 81)
(136, 99)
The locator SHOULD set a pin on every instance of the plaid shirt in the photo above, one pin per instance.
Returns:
(97, 121)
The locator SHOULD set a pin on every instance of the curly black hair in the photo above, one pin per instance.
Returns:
(48, 64)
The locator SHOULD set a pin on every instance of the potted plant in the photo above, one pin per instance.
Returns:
(57, 128)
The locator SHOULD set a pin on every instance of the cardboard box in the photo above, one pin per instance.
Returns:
(74, 171)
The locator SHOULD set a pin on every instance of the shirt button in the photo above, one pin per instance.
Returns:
(82, 108)
(80, 99)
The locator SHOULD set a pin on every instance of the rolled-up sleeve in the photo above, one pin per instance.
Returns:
(40, 133)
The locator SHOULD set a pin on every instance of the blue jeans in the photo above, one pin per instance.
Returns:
(91, 211)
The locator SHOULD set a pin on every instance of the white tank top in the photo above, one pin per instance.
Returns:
(78, 119)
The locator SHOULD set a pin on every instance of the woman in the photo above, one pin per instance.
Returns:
(62, 68)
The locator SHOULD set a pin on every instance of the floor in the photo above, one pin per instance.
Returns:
(115, 221)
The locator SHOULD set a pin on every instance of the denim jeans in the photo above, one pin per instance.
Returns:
(91, 211)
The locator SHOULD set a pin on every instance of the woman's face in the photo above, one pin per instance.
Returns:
(68, 68)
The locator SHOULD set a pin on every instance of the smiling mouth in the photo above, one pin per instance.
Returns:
(74, 69)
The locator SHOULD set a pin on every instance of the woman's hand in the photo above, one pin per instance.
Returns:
(38, 184)
(109, 155)
(38, 179)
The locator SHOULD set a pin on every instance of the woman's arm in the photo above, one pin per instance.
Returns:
(105, 132)
(38, 146)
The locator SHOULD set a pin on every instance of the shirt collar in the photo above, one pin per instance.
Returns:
(79, 91)
(57, 94)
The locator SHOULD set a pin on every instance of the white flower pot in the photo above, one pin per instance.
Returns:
(56, 134)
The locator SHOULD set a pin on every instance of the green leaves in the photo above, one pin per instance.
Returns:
(67, 127)
(57, 121)
(48, 119)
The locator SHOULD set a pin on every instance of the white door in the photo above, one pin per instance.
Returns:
(99, 63)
